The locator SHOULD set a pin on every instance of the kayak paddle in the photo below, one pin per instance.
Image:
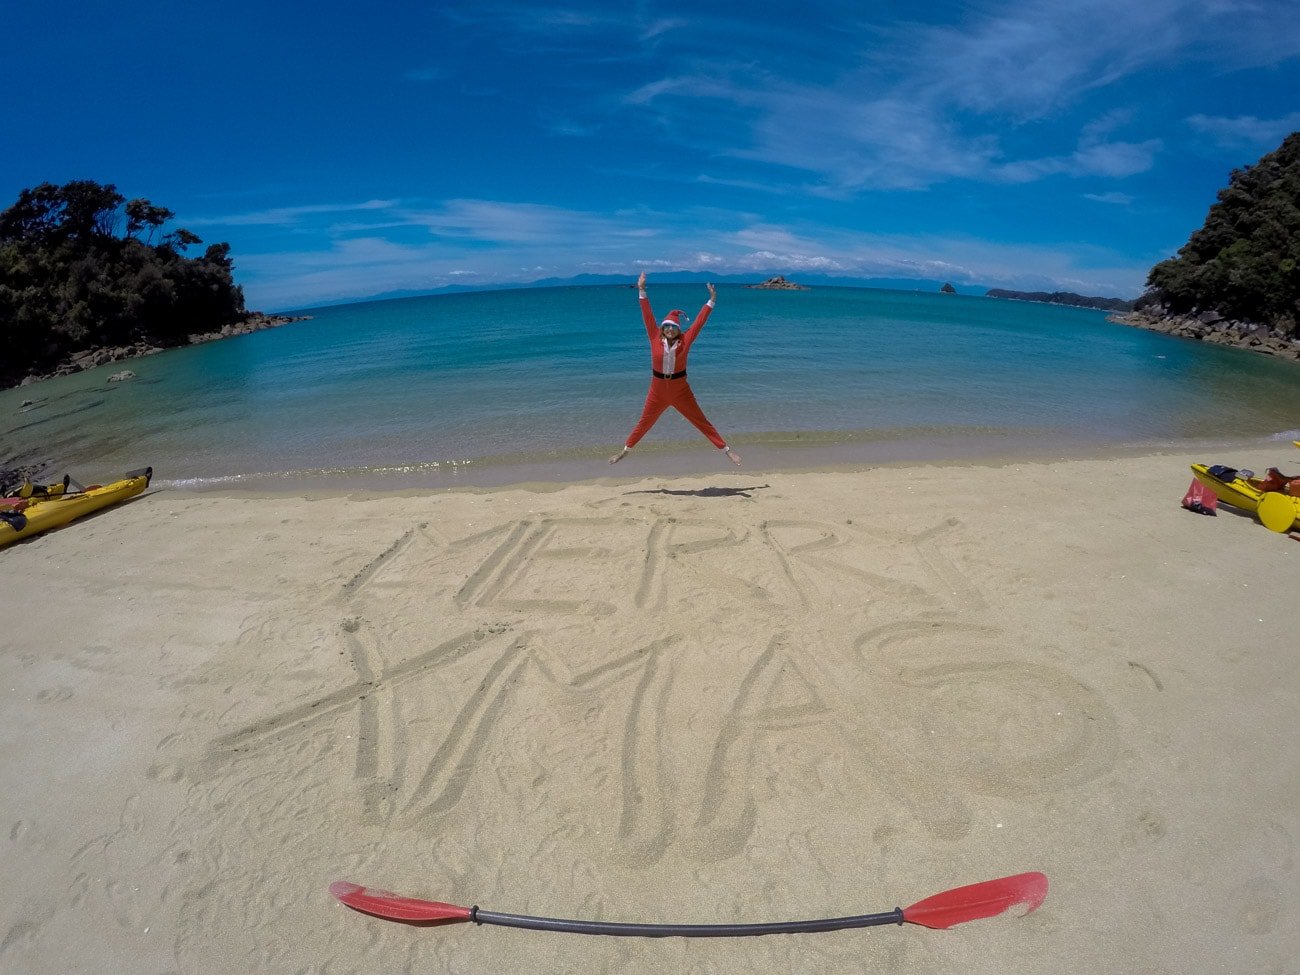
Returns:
(956, 906)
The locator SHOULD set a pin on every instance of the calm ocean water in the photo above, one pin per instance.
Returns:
(537, 384)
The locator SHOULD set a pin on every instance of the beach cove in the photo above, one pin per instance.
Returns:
(495, 388)
(717, 697)
(694, 476)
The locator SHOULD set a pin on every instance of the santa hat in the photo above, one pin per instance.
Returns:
(674, 317)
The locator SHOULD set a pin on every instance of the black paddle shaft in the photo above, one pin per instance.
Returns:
(620, 929)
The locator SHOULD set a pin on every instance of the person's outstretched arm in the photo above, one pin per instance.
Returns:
(647, 316)
(702, 317)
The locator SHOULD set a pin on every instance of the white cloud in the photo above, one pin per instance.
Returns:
(1118, 199)
(524, 223)
(490, 240)
(927, 104)
(1117, 159)
(345, 269)
(1022, 60)
(658, 28)
(288, 216)
(1246, 130)
(532, 28)
(1246, 33)
(1112, 159)
(494, 242)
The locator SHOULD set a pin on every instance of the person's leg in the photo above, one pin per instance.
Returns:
(655, 404)
(685, 404)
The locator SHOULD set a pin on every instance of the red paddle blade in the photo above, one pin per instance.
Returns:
(383, 903)
(975, 901)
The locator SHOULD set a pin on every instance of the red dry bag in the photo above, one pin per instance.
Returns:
(1200, 499)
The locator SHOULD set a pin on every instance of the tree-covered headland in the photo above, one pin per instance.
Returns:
(83, 267)
(1063, 298)
(1244, 263)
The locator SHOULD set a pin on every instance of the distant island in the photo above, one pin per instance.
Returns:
(948, 289)
(1062, 298)
(779, 283)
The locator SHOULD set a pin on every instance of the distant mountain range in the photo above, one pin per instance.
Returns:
(811, 280)
(927, 285)
(667, 277)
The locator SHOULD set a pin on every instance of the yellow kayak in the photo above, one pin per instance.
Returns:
(1236, 490)
(42, 514)
(1279, 512)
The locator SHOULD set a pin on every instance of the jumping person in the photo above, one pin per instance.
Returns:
(669, 347)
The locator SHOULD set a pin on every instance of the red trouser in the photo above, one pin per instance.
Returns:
(677, 394)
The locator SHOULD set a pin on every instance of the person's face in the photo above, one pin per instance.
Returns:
(670, 332)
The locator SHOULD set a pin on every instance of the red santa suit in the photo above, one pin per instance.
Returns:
(668, 386)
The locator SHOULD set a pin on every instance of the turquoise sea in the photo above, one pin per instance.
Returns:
(544, 384)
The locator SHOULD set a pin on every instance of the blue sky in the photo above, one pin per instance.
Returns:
(347, 150)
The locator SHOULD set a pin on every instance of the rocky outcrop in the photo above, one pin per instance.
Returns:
(90, 358)
(1210, 326)
(948, 289)
(254, 322)
(779, 283)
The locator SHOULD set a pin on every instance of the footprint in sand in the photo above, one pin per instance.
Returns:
(1259, 903)
(17, 942)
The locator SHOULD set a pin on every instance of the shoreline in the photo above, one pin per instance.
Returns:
(104, 355)
(719, 697)
(781, 454)
(684, 460)
(1214, 329)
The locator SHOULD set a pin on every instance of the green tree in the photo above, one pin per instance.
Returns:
(68, 282)
(1244, 262)
(180, 239)
(141, 213)
(34, 216)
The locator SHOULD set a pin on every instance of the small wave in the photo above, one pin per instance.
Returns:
(314, 473)
(793, 449)
(1286, 435)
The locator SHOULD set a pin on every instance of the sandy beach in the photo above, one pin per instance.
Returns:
(737, 697)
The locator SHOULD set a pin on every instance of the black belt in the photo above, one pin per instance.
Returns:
(664, 375)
